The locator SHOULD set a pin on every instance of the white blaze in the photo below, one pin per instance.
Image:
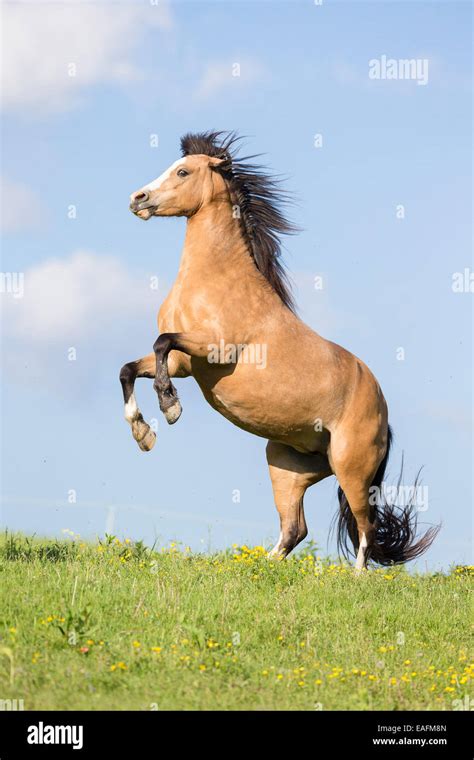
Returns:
(159, 180)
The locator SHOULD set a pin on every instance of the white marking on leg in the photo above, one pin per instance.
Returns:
(360, 561)
(131, 409)
(278, 546)
(141, 431)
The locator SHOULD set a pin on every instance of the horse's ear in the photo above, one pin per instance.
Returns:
(220, 163)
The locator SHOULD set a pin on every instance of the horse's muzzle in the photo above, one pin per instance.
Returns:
(143, 210)
(140, 201)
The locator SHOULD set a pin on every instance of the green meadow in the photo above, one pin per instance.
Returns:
(116, 625)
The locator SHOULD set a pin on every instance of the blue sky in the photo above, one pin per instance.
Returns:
(83, 141)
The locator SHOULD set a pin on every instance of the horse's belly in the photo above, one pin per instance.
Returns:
(252, 407)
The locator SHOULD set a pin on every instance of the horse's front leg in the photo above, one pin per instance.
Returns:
(146, 367)
(141, 431)
(193, 344)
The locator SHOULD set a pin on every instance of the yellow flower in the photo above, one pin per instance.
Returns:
(318, 681)
(202, 668)
(156, 649)
(382, 649)
(264, 672)
(407, 662)
(13, 630)
(136, 644)
(279, 676)
(393, 681)
(118, 666)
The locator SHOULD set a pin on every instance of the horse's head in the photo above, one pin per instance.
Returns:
(188, 184)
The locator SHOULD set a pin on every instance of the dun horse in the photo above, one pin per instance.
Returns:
(318, 405)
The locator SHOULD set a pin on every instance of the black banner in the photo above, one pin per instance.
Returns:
(384, 734)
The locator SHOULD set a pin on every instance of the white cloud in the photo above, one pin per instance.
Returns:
(221, 76)
(84, 295)
(20, 207)
(87, 302)
(40, 42)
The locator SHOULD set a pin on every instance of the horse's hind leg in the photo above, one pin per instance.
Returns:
(355, 462)
(291, 474)
(141, 431)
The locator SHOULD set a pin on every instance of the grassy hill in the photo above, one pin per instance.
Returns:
(118, 626)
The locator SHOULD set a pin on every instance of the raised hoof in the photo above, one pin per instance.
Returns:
(147, 443)
(173, 412)
(143, 434)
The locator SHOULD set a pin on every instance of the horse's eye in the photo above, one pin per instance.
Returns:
(182, 173)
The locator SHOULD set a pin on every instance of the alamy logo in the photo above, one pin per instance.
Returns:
(415, 69)
(238, 353)
(42, 734)
(400, 496)
(11, 704)
(12, 283)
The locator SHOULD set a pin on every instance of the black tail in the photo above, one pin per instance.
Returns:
(395, 527)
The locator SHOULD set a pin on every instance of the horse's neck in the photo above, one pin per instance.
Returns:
(215, 246)
(217, 274)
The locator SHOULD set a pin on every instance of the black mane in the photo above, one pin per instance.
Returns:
(260, 199)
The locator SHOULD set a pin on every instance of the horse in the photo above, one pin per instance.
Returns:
(318, 405)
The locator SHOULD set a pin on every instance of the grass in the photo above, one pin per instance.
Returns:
(118, 626)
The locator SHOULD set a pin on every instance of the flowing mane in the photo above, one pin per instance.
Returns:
(260, 199)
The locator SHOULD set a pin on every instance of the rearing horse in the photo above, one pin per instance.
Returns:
(319, 405)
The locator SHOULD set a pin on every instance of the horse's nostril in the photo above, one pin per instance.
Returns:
(141, 197)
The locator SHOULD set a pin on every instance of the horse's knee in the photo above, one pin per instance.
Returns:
(127, 373)
(162, 343)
